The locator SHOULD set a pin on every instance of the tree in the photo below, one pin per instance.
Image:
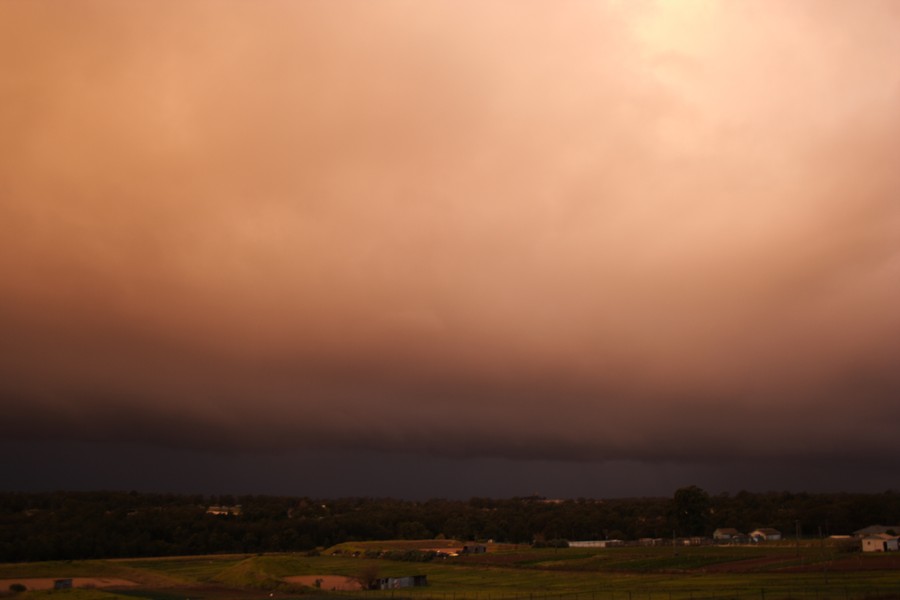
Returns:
(368, 576)
(690, 508)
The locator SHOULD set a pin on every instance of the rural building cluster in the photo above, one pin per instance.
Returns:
(875, 538)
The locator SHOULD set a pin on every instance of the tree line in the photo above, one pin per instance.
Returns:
(78, 525)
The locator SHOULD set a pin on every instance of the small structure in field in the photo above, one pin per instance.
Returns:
(62, 584)
(474, 549)
(880, 542)
(726, 534)
(765, 534)
(394, 583)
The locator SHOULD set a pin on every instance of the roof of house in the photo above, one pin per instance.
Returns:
(881, 537)
(767, 531)
(873, 529)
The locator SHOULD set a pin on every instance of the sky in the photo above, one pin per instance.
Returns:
(449, 248)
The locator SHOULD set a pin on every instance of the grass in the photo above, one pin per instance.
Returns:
(189, 569)
(632, 573)
(62, 568)
(72, 594)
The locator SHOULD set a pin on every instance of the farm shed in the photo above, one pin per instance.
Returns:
(765, 533)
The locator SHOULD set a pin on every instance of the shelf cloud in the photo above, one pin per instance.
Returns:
(570, 231)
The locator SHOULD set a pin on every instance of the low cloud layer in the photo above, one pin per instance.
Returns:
(586, 231)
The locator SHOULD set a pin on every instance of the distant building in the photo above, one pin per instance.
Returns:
(62, 584)
(880, 542)
(224, 510)
(726, 534)
(474, 549)
(393, 583)
(695, 541)
(654, 542)
(444, 552)
(595, 544)
(765, 534)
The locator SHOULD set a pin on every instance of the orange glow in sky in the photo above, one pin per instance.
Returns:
(578, 230)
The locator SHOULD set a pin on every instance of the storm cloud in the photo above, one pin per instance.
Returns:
(572, 231)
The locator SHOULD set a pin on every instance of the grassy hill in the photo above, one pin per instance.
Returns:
(504, 573)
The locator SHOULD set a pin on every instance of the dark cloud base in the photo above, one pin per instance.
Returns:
(32, 466)
(378, 248)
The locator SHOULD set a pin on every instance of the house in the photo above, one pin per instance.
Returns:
(880, 542)
(726, 534)
(474, 549)
(393, 583)
(62, 584)
(765, 534)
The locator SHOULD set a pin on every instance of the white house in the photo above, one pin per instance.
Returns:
(880, 542)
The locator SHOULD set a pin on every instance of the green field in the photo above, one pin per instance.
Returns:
(506, 572)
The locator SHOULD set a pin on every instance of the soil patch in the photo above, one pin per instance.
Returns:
(326, 582)
(46, 583)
